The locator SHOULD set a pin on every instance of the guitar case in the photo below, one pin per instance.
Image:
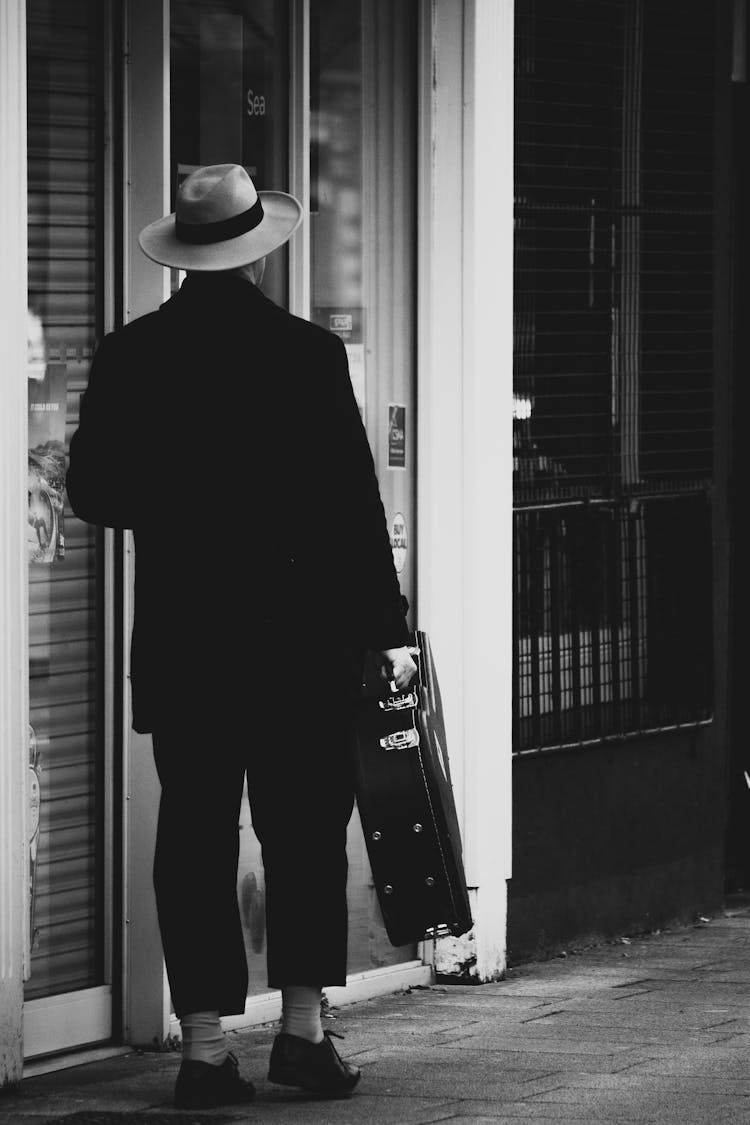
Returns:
(405, 800)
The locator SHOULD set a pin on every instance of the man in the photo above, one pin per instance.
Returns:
(221, 412)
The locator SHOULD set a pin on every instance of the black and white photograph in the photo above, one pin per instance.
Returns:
(373, 384)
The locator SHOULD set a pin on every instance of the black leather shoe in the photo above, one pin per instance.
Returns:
(315, 1067)
(202, 1086)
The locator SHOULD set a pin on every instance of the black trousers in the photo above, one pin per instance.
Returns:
(301, 800)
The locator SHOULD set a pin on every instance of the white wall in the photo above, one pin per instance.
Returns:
(465, 431)
(13, 524)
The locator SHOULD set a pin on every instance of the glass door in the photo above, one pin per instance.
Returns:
(230, 104)
(68, 992)
(230, 81)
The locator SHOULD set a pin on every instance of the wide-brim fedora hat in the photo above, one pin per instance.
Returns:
(221, 222)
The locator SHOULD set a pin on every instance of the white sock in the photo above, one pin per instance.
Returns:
(202, 1038)
(300, 1011)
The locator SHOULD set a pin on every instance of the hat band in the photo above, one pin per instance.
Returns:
(202, 234)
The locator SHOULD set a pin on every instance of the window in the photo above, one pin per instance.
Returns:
(65, 572)
(613, 378)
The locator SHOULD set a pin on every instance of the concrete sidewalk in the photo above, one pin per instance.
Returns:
(654, 1029)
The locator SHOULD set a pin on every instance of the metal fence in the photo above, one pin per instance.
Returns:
(612, 619)
(613, 368)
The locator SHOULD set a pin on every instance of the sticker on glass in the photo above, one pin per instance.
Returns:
(399, 542)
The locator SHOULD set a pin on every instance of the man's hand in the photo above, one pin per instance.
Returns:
(398, 666)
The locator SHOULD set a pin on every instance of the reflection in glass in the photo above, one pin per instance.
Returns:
(66, 846)
(229, 98)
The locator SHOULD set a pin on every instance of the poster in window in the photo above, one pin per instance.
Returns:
(396, 436)
(46, 471)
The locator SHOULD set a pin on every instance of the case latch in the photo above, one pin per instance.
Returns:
(400, 740)
(399, 702)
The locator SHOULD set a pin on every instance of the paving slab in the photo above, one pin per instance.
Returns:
(654, 1028)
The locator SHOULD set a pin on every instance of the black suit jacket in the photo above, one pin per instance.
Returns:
(225, 433)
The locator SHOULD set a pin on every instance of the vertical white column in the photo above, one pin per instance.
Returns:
(299, 155)
(14, 694)
(440, 552)
(440, 437)
(146, 1007)
(487, 476)
(465, 433)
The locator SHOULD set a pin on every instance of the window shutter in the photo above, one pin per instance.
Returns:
(613, 261)
(63, 623)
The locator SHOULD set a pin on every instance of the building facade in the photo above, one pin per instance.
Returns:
(392, 123)
(537, 204)
(626, 465)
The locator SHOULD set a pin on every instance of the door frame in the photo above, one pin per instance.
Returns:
(465, 441)
(145, 1009)
(14, 656)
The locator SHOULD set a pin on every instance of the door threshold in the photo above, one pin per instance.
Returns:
(64, 1061)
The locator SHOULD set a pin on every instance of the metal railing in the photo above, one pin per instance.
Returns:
(612, 619)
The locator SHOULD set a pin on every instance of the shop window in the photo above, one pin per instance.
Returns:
(65, 619)
(613, 378)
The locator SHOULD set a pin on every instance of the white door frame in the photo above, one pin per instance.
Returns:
(146, 286)
(14, 660)
(299, 154)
